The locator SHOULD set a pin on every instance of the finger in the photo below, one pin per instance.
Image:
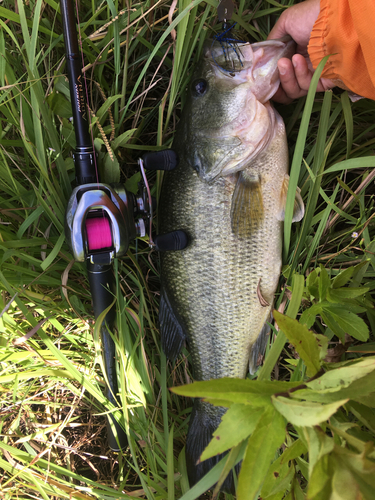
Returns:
(281, 97)
(325, 84)
(304, 75)
(302, 72)
(288, 79)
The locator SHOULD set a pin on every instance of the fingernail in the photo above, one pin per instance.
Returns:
(282, 69)
(294, 63)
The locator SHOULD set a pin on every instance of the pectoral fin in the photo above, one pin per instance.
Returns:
(247, 206)
(299, 207)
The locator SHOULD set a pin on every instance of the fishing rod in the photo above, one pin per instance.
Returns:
(102, 219)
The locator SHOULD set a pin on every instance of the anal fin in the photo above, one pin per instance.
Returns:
(247, 206)
(172, 334)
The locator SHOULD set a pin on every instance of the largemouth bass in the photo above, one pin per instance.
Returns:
(228, 194)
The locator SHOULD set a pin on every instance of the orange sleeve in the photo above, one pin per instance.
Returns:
(345, 29)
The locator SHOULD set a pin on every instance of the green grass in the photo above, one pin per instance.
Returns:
(52, 417)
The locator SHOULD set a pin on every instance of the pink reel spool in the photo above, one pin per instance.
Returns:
(99, 234)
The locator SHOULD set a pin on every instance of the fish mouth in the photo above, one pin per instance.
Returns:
(236, 59)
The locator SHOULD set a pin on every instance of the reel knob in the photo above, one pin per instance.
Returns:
(160, 160)
(175, 240)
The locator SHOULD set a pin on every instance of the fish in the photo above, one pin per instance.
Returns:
(228, 194)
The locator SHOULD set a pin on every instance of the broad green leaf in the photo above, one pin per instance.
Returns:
(344, 486)
(106, 105)
(338, 294)
(122, 139)
(277, 496)
(364, 414)
(323, 283)
(308, 316)
(297, 449)
(111, 169)
(361, 268)
(358, 444)
(235, 390)
(319, 485)
(362, 469)
(305, 413)
(323, 345)
(312, 281)
(347, 321)
(278, 479)
(361, 390)
(267, 437)
(231, 460)
(305, 342)
(296, 493)
(60, 105)
(342, 377)
(303, 466)
(236, 425)
(319, 445)
(332, 325)
(132, 183)
(343, 278)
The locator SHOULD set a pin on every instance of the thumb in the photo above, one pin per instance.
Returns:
(278, 31)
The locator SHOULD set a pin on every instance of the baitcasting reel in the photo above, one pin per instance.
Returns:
(102, 219)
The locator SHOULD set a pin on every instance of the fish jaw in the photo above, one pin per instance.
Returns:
(233, 121)
(238, 143)
(259, 64)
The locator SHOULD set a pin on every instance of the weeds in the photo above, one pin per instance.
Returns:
(138, 59)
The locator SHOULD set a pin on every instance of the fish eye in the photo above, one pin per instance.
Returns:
(199, 87)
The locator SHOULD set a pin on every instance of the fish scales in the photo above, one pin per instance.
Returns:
(218, 274)
(218, 292)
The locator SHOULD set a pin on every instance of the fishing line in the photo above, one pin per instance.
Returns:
(140, 163)
(87, 94)
(98, 228)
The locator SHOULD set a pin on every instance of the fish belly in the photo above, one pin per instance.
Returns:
(213, 285)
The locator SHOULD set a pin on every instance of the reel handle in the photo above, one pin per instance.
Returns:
(169, 242)
(166, 159)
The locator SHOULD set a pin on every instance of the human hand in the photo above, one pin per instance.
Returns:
(295, 75)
